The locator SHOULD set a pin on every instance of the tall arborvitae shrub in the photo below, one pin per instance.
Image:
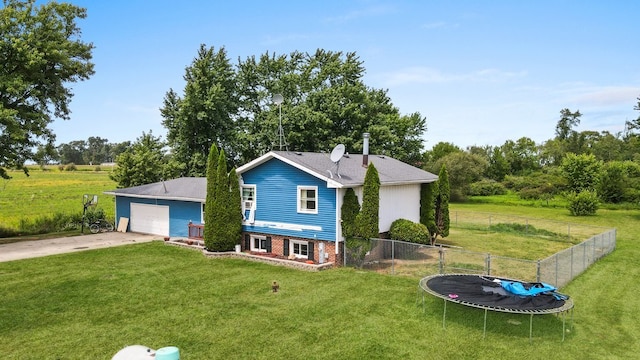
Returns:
(442, 203)
(427, 208)
(367, 220)
(350, 209)
(219, 210)
(234, 209)
(212, 165)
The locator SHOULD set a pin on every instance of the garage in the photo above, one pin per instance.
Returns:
(149, 219)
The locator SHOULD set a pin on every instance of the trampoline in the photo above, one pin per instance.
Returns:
(492, 293)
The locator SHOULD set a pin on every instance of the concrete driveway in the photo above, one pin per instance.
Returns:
(38, 248)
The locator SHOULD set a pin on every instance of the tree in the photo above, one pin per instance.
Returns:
(349, 210)
(223, 234)
(437, 152)
(206, 114)
(613, 182)
(568, 120)
(427, 208)
(210, 200)
(97, 150)
(581, 171)
(442, 205)
(234, 209)
(40, 53)
(72, 152)
(498, 166)
(463, 169)
(522, 156)
(368, 219)
(143, 164)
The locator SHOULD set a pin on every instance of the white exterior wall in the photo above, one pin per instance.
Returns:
(399, 202)
(396, 202)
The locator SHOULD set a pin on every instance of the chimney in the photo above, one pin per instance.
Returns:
(365, 149)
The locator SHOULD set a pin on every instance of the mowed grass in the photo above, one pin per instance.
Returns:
(158, 295)
(44, 193)
(92, 304)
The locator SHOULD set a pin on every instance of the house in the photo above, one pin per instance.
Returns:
(291, 201)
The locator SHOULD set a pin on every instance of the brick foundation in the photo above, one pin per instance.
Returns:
(277, 247)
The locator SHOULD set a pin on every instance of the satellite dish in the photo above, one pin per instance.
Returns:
(337, 152)
(277, 99)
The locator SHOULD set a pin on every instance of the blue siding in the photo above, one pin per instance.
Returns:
(276, 201)
(180, 212)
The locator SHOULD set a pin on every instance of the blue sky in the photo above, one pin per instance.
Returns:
(481, 72)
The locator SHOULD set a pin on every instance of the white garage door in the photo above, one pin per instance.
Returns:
(149, 219)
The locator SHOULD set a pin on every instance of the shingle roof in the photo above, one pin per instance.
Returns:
(349, 172)
(186, 188)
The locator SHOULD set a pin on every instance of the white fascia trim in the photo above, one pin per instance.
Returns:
(154, 197)
(330, 182)
(283, 226)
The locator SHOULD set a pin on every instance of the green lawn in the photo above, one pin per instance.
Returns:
(89, 305)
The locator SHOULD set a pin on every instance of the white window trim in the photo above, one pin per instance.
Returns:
(202, 213)
(253, 242)
(253, 202)
(300, 242)
(307, 211)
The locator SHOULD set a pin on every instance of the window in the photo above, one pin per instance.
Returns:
(248, 197)
(260, 243)
(299, 248)
(201, 214)
(308, 199)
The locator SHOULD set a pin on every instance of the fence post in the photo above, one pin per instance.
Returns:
(556, 284)
(393, 257)
(538, 271)
(441, 260)
(488, 264)
(571, 264)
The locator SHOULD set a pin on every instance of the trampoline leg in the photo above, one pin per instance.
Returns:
(564, 317)
(444, 315)
(531, 328)
(484, 332)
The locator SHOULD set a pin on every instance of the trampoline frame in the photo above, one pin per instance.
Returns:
(568, 305)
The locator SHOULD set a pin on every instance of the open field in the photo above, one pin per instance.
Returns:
(53, 191)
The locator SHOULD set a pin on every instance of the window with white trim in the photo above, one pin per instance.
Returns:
(248, 197)
(299, 248)
(259, 243)
(202, 214)
(308, 199)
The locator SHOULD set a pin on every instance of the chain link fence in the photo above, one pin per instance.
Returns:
(410, 259)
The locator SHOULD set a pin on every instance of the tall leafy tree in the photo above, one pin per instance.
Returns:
(349, 210)
(568, 120)
(427, 208)
(143, 164)
(221, 239)
(40, 54)
(206, 114)
(234, 210)
(210, 200)
(368, 219)
(442, 205)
